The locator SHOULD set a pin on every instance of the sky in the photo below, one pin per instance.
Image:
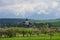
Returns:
(32, 9)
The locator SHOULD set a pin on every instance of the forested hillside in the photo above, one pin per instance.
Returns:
(17, 22)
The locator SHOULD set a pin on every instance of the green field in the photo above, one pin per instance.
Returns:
(33, 38)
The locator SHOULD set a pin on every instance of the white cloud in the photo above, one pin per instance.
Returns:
(26, 7)
(42, 7)
(22, 7)
(54, 4)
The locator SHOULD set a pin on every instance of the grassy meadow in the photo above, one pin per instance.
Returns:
(33, 38)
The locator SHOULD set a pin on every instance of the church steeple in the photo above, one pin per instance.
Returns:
(26, 22)
(26, 19)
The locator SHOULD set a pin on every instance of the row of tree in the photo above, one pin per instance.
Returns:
(16, 31)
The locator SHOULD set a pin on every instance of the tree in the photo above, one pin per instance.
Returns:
(44, 29)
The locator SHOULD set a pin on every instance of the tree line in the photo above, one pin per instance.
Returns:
(18, 31)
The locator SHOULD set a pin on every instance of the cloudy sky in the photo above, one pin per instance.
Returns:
(32, 9)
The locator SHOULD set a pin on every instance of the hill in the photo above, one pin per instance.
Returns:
(54, 22)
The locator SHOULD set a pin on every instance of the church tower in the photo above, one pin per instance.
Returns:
(26, 22)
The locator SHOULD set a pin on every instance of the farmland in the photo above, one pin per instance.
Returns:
(13, 29)
(33, 38)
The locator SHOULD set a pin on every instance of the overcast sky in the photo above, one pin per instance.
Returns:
(33, 9)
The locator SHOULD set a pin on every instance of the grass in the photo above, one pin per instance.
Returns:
(33, 38)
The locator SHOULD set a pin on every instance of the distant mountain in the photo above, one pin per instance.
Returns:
(13, 20)
(10, 20)
(55, 22)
